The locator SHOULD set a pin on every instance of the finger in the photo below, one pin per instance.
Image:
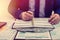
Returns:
(30, 12)
(54, 22)
(52, 17)
(24, 16)
(27, 18)
(28, 15)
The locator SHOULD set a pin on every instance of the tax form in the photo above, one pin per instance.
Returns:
(42, 22)
(30, 35)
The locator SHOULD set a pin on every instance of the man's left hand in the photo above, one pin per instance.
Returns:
(54, 19)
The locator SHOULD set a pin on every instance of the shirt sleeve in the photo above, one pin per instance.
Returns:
(57, 6)
(13, 9)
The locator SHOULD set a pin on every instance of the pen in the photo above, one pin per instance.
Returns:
(32, 18)
(33, 21)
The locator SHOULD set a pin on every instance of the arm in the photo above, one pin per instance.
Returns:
(14, 9)
(18, 9)
(55, 18)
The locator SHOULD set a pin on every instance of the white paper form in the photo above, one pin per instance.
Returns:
(38, 23)
(42, 22)
(22, 24)
(29, 35)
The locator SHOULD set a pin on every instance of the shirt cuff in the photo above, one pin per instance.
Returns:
(18, 13)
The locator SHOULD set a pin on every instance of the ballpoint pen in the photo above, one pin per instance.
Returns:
(32, 18)
(33, 21)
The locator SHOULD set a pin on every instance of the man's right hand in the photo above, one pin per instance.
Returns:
(27, 15)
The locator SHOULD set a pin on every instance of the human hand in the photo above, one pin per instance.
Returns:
(54, 19)
(28, 15)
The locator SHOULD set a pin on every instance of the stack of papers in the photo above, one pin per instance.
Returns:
(38, 23)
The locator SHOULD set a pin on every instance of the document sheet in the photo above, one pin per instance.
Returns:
(30, 35)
